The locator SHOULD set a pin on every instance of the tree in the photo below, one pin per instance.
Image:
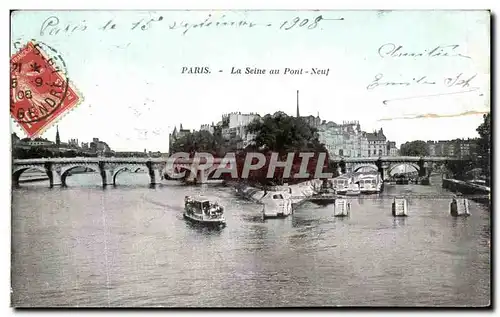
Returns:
(484, 144)
(414, 148)
(199, 141)
(282, 133)
(459, 169)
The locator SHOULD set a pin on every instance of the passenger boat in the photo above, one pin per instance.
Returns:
(370, 184)
(341, 184)
(201, 211)
(276, 205)
(353, 190)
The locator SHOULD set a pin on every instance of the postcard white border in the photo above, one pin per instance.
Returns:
(185, 4)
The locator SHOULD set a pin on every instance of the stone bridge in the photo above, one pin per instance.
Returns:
(385, 164)
(58, 169)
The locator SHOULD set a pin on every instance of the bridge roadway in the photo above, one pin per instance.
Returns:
(57, 169)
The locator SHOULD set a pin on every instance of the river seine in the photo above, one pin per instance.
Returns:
(129, 246)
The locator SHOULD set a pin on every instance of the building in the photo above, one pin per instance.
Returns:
(208, 127)
(175, 135)
(431, 148)
(466, 148)
(457, 148)
(347, 139)
(234, 128)
(343, 140)
(73, 143)
(313, 121)
(129, 154)
(36, 142)
(99, 147)
(377, 143)
(392, 150)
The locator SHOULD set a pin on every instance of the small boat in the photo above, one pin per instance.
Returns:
(276, 205)
(353, 190)
(203, 212)
(459, 207)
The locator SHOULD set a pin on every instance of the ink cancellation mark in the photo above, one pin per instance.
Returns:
(40, 91)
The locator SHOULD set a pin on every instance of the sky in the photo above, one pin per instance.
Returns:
(134, 92)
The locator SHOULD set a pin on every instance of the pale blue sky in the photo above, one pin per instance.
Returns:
(135, 93)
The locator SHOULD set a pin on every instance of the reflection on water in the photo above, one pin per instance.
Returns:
(129, 246)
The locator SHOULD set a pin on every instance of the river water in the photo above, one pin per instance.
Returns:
(129, 246)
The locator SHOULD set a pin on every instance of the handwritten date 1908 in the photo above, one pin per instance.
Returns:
(53, 26)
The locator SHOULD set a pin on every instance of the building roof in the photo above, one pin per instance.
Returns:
(376, 136)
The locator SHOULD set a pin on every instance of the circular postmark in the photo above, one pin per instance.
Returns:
(40, 90)
(39, 82)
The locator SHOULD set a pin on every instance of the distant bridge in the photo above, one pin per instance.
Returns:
(385, 164)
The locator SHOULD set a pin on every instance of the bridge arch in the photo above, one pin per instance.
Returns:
(394, 165)
(17, 171)
(129, 167)
(357, 167)
(65, 169)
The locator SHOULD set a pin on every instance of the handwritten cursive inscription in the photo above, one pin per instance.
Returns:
(53, 26)
(392, 50)
(210, 22)
(458, 80)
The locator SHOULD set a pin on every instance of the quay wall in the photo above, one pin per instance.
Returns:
(465, 188)
(34, 179)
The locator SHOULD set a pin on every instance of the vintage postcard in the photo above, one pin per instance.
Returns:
(250, 159)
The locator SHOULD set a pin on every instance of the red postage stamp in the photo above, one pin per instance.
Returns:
(40, 91)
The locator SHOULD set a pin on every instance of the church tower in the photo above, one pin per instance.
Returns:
(58, 139)
(298, 113)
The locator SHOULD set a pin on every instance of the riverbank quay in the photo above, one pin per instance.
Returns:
(300, 192)
(477, 192)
